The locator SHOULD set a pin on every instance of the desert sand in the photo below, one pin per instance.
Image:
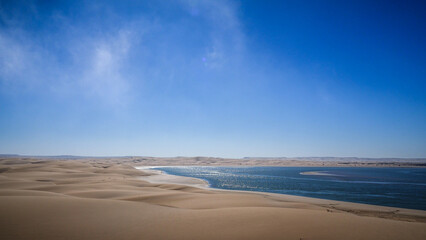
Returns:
(110, 199)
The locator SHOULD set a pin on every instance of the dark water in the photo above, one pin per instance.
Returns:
(395, 187)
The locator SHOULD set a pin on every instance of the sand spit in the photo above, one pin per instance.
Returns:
(110, 199)
(317, 173)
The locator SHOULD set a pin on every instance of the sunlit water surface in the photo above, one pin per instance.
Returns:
(395, 187)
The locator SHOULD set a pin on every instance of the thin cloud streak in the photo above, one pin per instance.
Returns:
(97, 66)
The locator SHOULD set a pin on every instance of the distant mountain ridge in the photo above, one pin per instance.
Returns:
(350, 159)
(320, 159)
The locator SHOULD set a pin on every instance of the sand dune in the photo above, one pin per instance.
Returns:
(110, 199)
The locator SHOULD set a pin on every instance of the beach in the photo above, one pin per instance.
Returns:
(108, 198)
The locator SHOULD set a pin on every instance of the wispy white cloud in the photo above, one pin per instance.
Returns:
(226, 39)
(102, 68)
(93, 61)
(13, 58)
(94, 70)
(20, 59)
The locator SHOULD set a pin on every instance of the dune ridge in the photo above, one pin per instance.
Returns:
(110, 199)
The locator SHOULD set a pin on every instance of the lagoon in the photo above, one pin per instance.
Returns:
(394, 187)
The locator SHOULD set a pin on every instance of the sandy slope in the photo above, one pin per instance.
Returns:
(86, 199)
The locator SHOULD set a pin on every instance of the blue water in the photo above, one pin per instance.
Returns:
(395, 187)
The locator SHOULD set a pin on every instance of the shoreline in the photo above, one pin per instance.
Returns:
(361, 209)
(159, 176)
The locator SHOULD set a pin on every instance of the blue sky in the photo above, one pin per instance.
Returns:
(213, 78)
